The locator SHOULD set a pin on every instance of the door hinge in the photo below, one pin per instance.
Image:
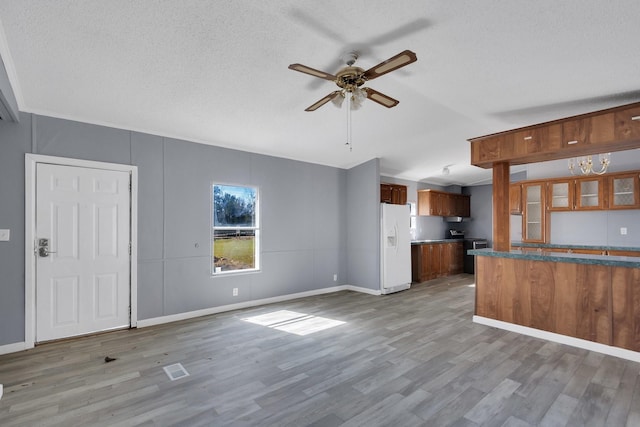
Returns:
(129, 248)
(129, 185)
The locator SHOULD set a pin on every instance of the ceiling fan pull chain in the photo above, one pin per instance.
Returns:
(348, 97)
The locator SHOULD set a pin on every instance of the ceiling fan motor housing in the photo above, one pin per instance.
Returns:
(350, 78)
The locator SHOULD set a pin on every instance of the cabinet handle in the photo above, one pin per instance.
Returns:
(572, 142)
(526, 138)
(635, 118)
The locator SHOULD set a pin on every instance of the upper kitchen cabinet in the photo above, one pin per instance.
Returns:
(624, 191)
(438, 203)
(393, 193)
(515, 199)
(593, 130)
(614, 129)
(533, 212)
(627, 123)
(560, 195)
(540, 139)
(583, 193)
(590, 194)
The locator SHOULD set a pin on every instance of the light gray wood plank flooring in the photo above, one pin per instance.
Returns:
(408, 359)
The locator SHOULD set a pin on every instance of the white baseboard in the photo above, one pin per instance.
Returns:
(376, 292)
(246, 304)
(13, 348)
(561, 339)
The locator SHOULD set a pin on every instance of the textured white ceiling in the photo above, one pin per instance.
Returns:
(216, 72)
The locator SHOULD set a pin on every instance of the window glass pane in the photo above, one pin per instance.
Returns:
(234, 206)
(233, 250)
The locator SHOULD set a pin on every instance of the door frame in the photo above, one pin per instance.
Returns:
(31, 162)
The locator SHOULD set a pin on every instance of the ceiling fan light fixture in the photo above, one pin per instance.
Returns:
(338, 100)
(358, 96)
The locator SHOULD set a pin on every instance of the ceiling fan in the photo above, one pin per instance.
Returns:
(350, 78)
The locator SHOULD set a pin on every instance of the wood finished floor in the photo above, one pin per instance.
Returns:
(408, 359)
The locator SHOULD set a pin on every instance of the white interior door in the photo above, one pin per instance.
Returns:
(83, 266)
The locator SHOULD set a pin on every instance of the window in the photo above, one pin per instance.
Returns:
(235, 228)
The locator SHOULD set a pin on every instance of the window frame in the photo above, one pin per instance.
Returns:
(255, 228)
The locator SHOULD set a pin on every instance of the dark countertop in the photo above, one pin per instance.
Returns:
(424, 242)
(595, 247)
(616, 261)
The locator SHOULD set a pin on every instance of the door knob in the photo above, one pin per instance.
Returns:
(43, 248)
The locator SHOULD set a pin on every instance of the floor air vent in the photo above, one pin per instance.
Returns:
(175, 371)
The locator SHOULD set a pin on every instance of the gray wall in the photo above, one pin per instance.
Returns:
(303, 217)
(363, 225)
(7, 97)
(481, 224)
(15, 140)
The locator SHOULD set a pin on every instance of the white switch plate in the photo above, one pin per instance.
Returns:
(623, 231)
(4, 235)
(235, 292)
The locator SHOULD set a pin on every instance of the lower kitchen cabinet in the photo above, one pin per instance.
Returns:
(432, 260)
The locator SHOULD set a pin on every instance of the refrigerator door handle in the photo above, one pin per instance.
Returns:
(392, 238)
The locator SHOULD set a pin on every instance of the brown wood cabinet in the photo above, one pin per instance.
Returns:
(624, 191)
(591, 130)
(627, 123)
(625, 295)
(432, 260)
(623, 253)
(590, 194)
(515, 199)
(439, 203)
(580, 193)
(614, 129)
(540, 139)
(593, 302)
(393, 193)
(565, 298)
(453, 257)
(561, 195)
(533, 212)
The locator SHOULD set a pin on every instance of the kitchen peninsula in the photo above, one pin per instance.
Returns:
(582, 299)
(594, 298)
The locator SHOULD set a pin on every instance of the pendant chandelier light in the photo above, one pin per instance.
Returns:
(585, 164)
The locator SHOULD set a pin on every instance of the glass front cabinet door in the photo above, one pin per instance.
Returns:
(624, 192)
(589, 193)
(561, 197)
(533, 215)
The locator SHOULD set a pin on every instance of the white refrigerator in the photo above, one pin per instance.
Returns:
(395, 250)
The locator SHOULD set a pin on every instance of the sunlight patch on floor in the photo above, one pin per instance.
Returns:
(473, 285)
(294, 323)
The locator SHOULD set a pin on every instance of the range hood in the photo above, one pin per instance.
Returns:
(456, 219)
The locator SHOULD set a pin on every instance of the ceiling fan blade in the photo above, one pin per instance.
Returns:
(312, 71)
(381, 98)
(393, 63)
(323, 101)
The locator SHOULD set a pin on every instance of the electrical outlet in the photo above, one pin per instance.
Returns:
(235, 292)
(4, 235)
(623, 231)
(335, 277)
